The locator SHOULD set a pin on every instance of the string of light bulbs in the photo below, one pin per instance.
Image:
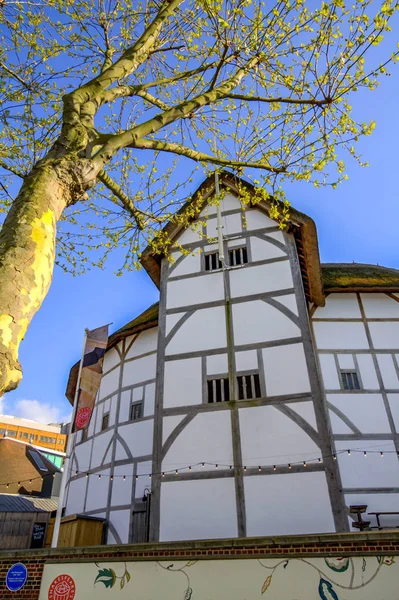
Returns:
(188, 468)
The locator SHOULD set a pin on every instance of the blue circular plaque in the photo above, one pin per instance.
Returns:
(16, 577)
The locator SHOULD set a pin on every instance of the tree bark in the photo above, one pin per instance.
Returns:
(27, 251)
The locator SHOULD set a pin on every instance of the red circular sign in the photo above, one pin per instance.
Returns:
(82, 417)
(62, 588)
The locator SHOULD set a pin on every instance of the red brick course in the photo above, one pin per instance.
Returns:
(349, 544)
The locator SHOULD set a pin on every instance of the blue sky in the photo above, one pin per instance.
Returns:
(356, 222)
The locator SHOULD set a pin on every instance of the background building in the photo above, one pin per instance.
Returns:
(25, 430)
(260, 399)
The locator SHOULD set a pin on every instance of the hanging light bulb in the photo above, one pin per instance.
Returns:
(274, 467)
(189, 468)
(177, 472)
(319, 460)
(260, 469)
(349, 452)
(216, 466)
(334, 456)
(163, 474)
(245, 469)
(149, 476)
(124, 478)
(99, 476)
(289, 466)
(137, 477)
(365, 453)
(202, 465)
(304, 463)
(382, 454)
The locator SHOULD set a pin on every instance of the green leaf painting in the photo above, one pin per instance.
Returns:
(326, 590)
(107, 577)
(339, 564)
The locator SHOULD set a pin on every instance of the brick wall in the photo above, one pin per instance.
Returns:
(338, 544)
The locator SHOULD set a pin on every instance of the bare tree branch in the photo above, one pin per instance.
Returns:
(124, 198)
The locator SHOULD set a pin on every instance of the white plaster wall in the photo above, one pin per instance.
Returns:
(380, 306)
(285, 370)
(76, 496)
(287, 504)
(207, 438)
(216, 364)
(122, 489)
(141, 369)
(306, 411)
(264, 250)
(388, 371)
(195, 290)
(120, 519)
(246, 360)
(358, 471)
(385, 335)
(340, 336)
(269, 437)
(149, 399)
(97, 493)
(329, 372)
(231, 224)
(367, 371)
(145, 342)
(198, 510)
(204, 330)
(138, 436)
(260, 278)
(339, 306)
(256, 219)
(171, 321)
(338, 425)
(82, 453)
(366, 411)
(182, 382)
(109, 383)
(258, 321)
(191, 235)
(144, 482)
(346, 361)
(121, 453)
(100, 445)
(290, 302)
(190, 264)
(124, 409)
(169, 424)
(393, 400)
(111, 359)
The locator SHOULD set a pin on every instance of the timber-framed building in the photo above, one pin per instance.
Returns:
(262, 399)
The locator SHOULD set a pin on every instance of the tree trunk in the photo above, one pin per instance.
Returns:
(27, 253)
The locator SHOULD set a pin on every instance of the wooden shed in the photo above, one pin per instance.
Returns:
(78, 530)
(24, 521)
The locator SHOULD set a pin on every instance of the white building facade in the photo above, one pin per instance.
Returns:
(260, 399)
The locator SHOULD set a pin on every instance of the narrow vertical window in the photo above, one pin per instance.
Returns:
(105, 422)
(212, 262)
(136, 411)
(238, 256)
(248, 386)
(350, 380)
(218, 390)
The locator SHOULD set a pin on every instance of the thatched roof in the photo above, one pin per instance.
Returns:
(356, 277)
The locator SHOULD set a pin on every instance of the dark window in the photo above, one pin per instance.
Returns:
(38, 460)
(218, 390)
(238, 256)
(105, 422)
(136, 411)
(350, 380)
(212, 262)
(84, 435)
(248, 386)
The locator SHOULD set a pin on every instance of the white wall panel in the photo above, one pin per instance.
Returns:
(329, 372)
(346, 361)
(246, 361)
(145, 342)
(138, 394)
(290, 302)
(171, 321)
(190, 264)
(113, 403)
(281, 361)
(366, 411)
(258, 321)
(232, 224)
(385, 335)
(262, 249)
(76, 496)
(120, 451)
(338, 425)
(394, 404)
(204, 330)
(138, 437)
(139, 370)
(216, 364)
(169, 424)
(380, 306)
(182, 382)
(120, 519)
(198, 510)
(262, 441)
(109, 383)
(367, 371)
(306, 411)
(97, 493)
(260, 278)
(195, 290)
(191, 235)
(149, 399)
(82, 453)
(340, 336)
(100, 445)
(358, 471)
(124, 409)
(388, 371)
(144, 482)
(111, 359)
(257, 219)
(287, 504)
(122, 489)
(339, 306)
(207, 438)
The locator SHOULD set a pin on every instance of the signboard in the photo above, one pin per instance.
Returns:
(38, 535)
(16, 577)
(304, 578)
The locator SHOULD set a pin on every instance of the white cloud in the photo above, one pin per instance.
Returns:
(35, 410)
